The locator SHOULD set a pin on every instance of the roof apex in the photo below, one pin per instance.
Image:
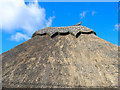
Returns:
(73, 30)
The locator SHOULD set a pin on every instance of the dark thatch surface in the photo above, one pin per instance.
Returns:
(84, 60)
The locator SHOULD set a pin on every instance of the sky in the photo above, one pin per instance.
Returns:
(21, 19)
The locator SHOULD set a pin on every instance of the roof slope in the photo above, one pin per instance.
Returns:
(61, 61)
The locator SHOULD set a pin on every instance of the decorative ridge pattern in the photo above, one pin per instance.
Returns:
(73, 30)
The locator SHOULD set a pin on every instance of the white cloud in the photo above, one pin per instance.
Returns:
(19, 36)
(117, 27)
(93, 13)
(16, 15)
(48, 24)
(82, 15)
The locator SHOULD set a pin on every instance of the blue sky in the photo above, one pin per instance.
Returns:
(23, 19)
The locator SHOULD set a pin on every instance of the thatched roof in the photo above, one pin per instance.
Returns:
(59, 59)
(73, 30)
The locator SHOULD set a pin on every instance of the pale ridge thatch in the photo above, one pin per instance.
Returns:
(73, 30)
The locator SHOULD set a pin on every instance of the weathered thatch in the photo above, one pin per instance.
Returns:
(73, 30)
(61, 57)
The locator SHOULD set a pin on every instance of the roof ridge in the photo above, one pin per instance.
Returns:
(73, 30)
